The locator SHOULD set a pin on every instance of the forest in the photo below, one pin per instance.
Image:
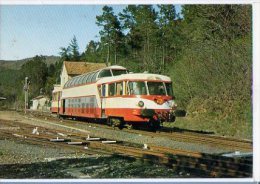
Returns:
(205, 49)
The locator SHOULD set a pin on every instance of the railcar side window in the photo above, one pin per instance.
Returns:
(103, 90)
(111, 89)
(137, 88)
(99, 91)
(169, 89)
(156, 88)
(104, 73)
(119, 88)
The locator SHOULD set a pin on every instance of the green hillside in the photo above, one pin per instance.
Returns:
(16, 64)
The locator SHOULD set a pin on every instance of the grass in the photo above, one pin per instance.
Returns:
(207, 124)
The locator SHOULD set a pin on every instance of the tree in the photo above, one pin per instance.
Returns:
(74, 55)
(65, 54)
(212, 74)
(206, 23)
(70, 53)
(91, 53)
(168, 33)
(36, 70)
(140, 22)
(111, 33)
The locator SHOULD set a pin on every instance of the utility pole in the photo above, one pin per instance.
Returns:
(26, 88)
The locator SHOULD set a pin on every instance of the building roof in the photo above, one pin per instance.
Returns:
(78, 68)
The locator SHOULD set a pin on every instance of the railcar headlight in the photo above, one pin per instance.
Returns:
(174, 106)
(140, 103)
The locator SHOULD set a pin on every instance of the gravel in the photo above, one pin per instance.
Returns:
(22, 160)
(19, 152)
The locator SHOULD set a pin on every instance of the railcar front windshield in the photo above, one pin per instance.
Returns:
(137, 88)
(156, 88)
(169, 89)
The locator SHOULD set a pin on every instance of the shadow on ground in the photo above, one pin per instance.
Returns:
(175, 129)
(95, 167)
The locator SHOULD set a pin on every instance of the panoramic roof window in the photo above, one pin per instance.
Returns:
(118, 72)
(85, 78)
(69, 83)
(104, 73)
(90, 77)
(80, 80)
(93, 79)
(77, 81)
(74, 80)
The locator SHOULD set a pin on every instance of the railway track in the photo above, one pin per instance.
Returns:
(205, 164)
(235, 144)
(185, 136)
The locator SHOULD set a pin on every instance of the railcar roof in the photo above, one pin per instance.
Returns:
(91, 76)
(135, 76)
(115, 67)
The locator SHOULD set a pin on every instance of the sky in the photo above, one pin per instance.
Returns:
(29, 30)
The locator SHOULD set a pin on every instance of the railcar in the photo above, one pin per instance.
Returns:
(118, 97)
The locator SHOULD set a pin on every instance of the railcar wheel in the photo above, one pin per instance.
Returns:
(129, 126)
(115, 122)
(109, 123)
(61, 117)
(154, 125)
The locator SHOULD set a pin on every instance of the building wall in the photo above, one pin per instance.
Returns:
(64, 76)
(34, 105)
(40, 104)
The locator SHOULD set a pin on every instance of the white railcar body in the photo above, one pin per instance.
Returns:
(137, 97)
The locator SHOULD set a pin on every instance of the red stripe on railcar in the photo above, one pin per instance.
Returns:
(148, 97)
(54, 109)
(128, 114)
(83, 112)
(132, 114)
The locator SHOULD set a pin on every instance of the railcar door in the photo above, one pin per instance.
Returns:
(103, 101)
(62, 106)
